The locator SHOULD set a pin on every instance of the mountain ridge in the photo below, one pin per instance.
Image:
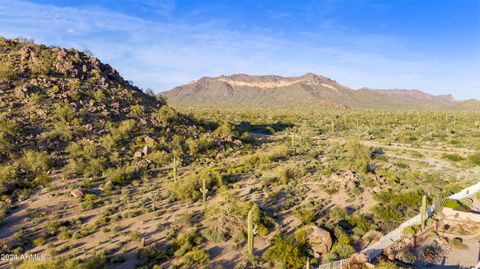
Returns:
(309, 89)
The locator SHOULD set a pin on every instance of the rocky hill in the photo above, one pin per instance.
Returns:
(307, 90)
(64, 111)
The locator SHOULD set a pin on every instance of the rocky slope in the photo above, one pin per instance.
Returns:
(69, 112)
(307, 90)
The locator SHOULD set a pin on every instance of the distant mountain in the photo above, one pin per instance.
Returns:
(468, 105)
(308, 90)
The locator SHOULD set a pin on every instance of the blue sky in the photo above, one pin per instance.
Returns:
(432, 45)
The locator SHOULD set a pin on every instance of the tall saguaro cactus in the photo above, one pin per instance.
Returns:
(251, 231)
(204, 192)
(423, 211)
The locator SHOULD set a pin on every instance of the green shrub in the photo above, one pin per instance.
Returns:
(64, 112)
(40, 241)
(341, 236)
(196, 256)
(7, 72)
(284, 253)
(188, 187)
(408, 231)
(212, 235)
(5, 144)
(33, 161)
(475, 158)
(343, 251)
(151, 255)
(121, 175)
(306, 214)
(456, 205)
(452, 157)
(89, 201)
(8, 174)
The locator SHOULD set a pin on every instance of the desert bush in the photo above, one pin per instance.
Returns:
(475, 158)
(408, 231)
(151, 255)
(279, 152)
(121, 175)
(196, 256)
(33, 161)
(284, 252)
(123, 131)
(64, 112)
(395, 207)
(89, 201)
(212, 235)
(454, 157)
(5, 144)
(7, 72)
(186, 241)
(188, 188)
(307, 212)
(341, 236)
(8, 175)
(343, 251)
(226, 129)
(199, 145)
(165, 116)
(456, 205)
(85, 159)
(40, 241)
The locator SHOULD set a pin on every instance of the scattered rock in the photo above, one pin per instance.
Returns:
(77, 193)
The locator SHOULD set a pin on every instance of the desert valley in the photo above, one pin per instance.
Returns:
(239, 171)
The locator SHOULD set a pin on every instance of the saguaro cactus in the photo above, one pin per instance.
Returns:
(204, 192)
(423, 211)
(251, 231)
(307, 265)
(333, 126)
(175, 165)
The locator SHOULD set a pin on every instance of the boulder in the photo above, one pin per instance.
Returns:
(319, 239)
(77, 193)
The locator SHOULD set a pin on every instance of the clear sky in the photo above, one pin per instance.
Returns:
(432, 45)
